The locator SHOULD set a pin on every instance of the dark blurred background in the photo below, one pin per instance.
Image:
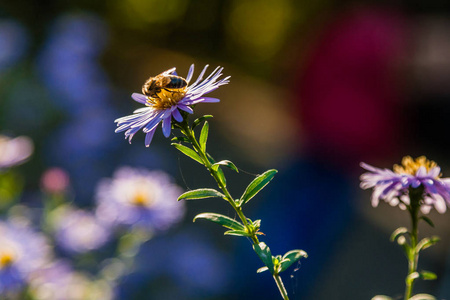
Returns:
(316, 87)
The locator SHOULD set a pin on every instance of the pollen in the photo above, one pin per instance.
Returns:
(141, 199)
(410, 165)
(167, 98)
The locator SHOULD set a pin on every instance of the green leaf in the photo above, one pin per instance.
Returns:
(398, 232)
(221, 177)
(237, 233)
(382, 297)
(426, 243)
(262, 269)
(199, 120)
(291, 257)
(200, 194)
(225, 163)
(265, 255)
(411, 277)
(257, 184)
(204, 136)
(222, 220)
(427, 275)
(180, 139)
(428, 220)
(188, 152)
(422, 297)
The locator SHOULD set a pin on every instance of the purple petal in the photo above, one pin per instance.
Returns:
(177, 116)
(190, 73)
(203, 100)
(434, 172)
(166, 127)
(149, 137)
(199, 77)
(139, 98)
(415, 182)
(185, 108)
(421, 172)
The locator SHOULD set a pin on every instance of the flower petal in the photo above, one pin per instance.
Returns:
(186, 108)
(190, 73)
(166, 126)
(149, 137)
(139, 98)
(177, 116)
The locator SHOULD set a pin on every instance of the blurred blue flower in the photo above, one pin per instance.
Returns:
(78, 231)
(68, 63)
(139, 197)
(162, 105)
(22, 253)
(14, 151)
(13, 43)
(393, 187)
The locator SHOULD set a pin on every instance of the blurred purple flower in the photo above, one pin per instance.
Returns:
(394, 186)
(14, 151)
(13, 42)
(165, 107)
(22, 252)
(139, 197)
(60, 282)
(78, 231)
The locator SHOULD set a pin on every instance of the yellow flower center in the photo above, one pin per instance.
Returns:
(167, 98)
(141, 199)
(6, 259)
(410, 165)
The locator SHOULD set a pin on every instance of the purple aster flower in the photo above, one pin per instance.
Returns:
(14, 151)
(22, 252)
(164, 96)
(394, 186)
(78, 231)
(139, 197)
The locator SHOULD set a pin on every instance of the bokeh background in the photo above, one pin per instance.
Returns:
(316, 87)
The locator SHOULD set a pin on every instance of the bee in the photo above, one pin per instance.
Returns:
(165, 86)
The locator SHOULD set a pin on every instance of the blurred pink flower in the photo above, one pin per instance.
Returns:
(55, 180)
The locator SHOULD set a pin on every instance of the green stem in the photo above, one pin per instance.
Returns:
(280, 286)
(190, 135)
(413, 257)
